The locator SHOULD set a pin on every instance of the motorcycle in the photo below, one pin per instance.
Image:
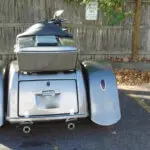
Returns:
(47, 82)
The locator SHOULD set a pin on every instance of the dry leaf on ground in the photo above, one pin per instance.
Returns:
(131, 77)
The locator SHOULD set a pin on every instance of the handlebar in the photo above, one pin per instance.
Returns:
(59, 21)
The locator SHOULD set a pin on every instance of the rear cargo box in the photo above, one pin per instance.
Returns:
(54, 58)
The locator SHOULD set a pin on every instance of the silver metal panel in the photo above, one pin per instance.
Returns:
(1, 101)
(83, 106)
(37, 59)
(54, 76)
(36, 98)
(15, 77)
(104, 101)
(13, 90)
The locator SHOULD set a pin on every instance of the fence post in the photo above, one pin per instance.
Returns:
(136, 29)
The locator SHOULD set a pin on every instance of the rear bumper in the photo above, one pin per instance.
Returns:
(44, 118)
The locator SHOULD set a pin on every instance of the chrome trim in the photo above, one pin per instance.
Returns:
(47, 49)
(45, 118)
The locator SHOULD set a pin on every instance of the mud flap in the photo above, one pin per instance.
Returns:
(103, 93)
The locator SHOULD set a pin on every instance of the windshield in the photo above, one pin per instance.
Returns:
(66, 42)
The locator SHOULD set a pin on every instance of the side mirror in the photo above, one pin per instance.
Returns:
(58, 13)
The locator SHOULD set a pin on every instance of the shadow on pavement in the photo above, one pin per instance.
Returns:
(132, 132)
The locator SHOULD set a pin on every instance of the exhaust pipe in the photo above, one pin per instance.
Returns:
(26, 129)
(71, 126)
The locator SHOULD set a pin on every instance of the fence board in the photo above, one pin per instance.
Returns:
(94, 39)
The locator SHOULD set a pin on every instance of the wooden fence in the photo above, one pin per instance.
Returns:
(94, 39)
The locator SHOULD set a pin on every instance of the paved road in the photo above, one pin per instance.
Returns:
(132, 133)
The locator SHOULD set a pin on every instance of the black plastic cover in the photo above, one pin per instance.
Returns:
(45, 28)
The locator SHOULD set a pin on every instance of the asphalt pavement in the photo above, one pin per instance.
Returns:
(131, 133)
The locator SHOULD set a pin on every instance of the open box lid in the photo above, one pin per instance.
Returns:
(43, 41)
(35, 58)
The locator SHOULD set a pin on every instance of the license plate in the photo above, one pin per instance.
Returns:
(47, 101)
